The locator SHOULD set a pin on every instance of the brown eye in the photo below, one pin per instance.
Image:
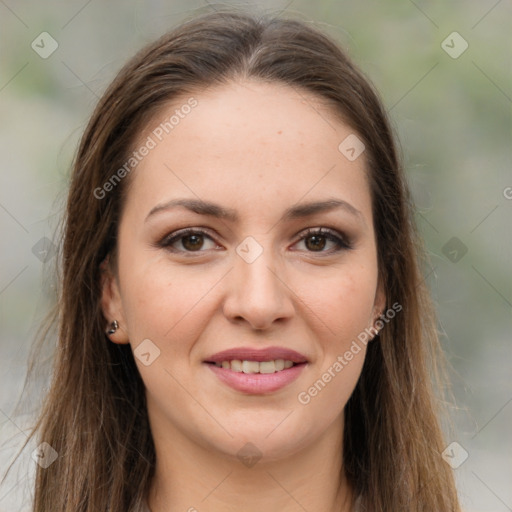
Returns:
(316, 240)
(187, 241)
(192, 242)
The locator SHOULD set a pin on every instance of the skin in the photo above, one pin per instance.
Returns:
(259, 149)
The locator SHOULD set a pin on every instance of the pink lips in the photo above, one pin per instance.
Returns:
(257, 383)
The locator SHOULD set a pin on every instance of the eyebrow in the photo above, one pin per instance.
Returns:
(208, 208)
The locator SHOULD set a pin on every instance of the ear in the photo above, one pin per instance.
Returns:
(380, 301)
(111, 304)
(378, 307)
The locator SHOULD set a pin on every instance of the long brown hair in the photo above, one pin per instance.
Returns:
(94, 415)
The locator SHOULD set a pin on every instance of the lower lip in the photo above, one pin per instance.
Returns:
(257, 383)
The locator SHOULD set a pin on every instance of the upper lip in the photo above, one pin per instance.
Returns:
(256, 354)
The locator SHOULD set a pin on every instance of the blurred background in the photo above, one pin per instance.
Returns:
(444, 73)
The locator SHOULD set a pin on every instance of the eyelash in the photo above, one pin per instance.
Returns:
(341, 241)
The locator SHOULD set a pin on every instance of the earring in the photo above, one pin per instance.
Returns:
(113, 327)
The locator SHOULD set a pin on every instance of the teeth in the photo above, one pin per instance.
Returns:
(250, 366)
(267, 367)
(256, 367)
(236, 365)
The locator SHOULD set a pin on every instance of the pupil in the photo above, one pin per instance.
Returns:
(196, 242)
(318, 242)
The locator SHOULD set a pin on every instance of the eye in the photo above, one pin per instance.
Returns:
(316, 239)
(190, 239)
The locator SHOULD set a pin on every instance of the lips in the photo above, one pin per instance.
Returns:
(246, 369)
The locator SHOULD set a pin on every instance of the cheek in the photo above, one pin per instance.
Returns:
(343, 302)
(356, 296)
(166, 305)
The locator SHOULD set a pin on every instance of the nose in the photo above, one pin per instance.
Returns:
(257, 292)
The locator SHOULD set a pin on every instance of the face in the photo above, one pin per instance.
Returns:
(288, 272)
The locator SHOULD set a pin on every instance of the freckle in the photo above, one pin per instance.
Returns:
(279, 132)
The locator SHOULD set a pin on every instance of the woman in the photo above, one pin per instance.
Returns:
(243, 323)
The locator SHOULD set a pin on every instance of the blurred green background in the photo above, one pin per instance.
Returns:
(450, 105)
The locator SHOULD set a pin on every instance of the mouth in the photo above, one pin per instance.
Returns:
(257, 371)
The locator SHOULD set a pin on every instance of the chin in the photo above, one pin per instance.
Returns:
(264, 444)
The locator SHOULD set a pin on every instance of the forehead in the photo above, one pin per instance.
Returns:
(249, 144)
